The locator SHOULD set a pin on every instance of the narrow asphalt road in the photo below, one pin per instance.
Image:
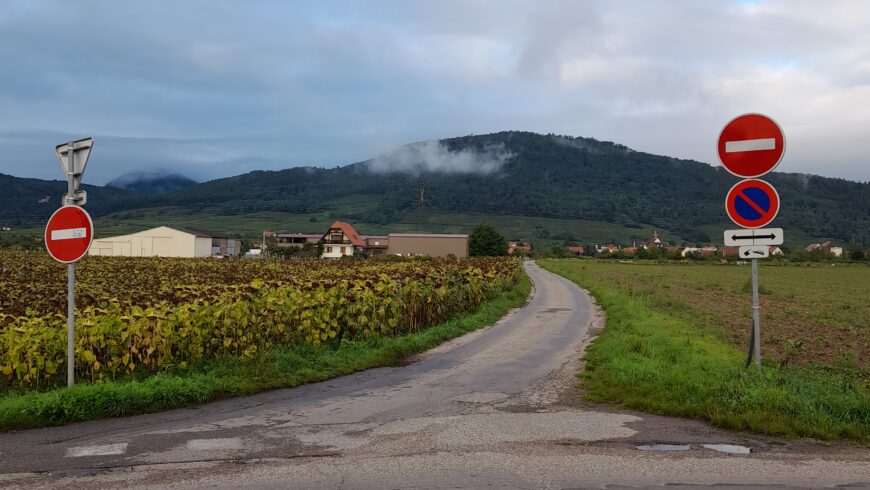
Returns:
(496, 408)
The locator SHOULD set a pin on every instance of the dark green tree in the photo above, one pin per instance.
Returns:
(855, 252)
(486, 241)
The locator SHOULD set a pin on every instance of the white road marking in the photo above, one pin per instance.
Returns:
(104, 450)
(69, 234)
(222, 444)
(750, 145)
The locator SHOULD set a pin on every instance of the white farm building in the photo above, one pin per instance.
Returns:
(164, 241)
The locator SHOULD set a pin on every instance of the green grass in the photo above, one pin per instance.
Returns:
(283, 367)
(652, 356)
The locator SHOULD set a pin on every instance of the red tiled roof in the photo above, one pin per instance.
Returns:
(349, 232)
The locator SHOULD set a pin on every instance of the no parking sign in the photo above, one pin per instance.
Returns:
(752, 203)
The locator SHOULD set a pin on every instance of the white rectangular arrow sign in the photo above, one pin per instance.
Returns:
(760, 236)
(754, 252)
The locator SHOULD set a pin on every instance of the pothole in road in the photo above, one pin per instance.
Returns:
(722, 448)
(555, 310)
(663, 447)
(728, 448)
(481, 397)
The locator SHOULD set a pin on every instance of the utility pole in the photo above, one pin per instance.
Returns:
(422, 188)
(263, 245)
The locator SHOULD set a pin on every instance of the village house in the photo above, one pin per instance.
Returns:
(580, 250)
(342, 240)
(609, 248)
(703, 251)
(525, 247)
(297, 239)
(826, 245)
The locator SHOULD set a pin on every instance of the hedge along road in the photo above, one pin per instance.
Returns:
(496, 407)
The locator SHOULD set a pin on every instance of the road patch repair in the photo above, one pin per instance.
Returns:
(498, 407)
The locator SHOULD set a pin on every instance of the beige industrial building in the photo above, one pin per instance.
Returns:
(164, 241)
(431, 244)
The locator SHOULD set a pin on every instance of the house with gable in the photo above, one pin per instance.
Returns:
(342, 240)
(826, 245)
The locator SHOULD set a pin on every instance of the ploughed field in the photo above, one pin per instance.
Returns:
(817, 314)
(137, 316)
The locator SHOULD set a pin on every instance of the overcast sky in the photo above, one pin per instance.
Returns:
(217, 88)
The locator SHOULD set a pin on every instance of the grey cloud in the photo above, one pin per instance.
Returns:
(226, 86)
(434, 156)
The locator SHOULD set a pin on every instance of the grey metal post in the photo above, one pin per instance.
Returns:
(756, 315)
(71, 282)
(71, 324)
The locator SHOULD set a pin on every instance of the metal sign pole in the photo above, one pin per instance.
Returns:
(756, 315)
(71, 282)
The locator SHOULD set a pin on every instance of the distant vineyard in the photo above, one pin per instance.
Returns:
(147, 315)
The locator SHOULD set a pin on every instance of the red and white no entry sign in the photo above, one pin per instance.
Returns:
(68, 234)
(751, 145)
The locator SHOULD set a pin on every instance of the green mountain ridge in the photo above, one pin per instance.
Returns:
(545, 177)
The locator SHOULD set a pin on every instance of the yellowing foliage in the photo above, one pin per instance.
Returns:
(184, 310)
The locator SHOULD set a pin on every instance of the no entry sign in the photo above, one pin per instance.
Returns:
(751, 145)
(752, 203)
(68, 234)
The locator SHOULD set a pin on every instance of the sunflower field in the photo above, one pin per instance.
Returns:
(147, 315)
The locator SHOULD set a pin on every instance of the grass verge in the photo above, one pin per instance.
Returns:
(651, 359)
(283, 367)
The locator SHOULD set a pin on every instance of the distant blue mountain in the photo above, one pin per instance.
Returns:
(151, 182)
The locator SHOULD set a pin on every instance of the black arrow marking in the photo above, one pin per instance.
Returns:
(749, 237)
(758, 252)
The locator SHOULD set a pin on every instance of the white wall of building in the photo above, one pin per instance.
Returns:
(202, 247)
(335, 251)
(156, 242)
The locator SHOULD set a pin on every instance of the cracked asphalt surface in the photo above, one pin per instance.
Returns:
(497, 408)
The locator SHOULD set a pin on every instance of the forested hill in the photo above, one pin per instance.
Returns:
(544, 176)
(30, 202)
(530, 175)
